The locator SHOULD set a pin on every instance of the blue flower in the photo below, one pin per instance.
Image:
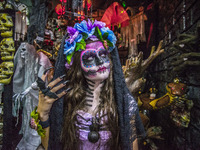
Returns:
(69, 47)
(79, 38)
(111, 36)
(85, 27)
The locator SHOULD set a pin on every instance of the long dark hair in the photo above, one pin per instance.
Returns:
(74, 101)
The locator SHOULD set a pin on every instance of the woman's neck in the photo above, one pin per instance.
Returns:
(93, 94)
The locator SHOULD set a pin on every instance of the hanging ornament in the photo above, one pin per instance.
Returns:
(60, 10)
(89, 4)
(63, 1)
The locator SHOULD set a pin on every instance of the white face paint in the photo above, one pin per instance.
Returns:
(95, 62)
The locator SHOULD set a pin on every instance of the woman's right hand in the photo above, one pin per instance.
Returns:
(45, 102)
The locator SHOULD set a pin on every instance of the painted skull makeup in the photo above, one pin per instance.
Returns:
(95, 62)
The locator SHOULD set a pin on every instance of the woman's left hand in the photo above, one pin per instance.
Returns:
(45, 102)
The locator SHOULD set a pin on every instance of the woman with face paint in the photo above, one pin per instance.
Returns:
(98, 110)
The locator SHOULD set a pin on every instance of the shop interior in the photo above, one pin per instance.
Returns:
(159, 50)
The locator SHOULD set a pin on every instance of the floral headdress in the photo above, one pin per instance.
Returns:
(83, 31)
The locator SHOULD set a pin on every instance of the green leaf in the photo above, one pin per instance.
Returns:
(105, 35)
(109, 43)
(80, 45)
(34, 114)
(40, 130)
(84, 35)
(83, 42)
(69, 58)
(98, 34)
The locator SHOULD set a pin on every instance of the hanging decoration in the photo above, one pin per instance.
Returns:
(7, 48)
(64, 1)
(114, 15)
(60, 10)
(78, 10)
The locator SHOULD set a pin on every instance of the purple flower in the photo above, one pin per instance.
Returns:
(71, 30)
(99, 24)
(94, 38)
(89, 25)
(69, 65)
(73, 37)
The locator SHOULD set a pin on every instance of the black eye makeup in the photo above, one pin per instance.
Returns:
(89, 56)
(92, 57)
(103, 53)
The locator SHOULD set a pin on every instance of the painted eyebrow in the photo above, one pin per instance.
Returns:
(88, 54)
(101, 48)
(103, 51)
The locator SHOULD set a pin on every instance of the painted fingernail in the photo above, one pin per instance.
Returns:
(67, 90)
(64, 83)
(47, 70)
(61, 77)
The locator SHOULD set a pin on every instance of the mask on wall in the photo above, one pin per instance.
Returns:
(7, 49)
(5, 22)
(6, 72)
(6, 25)
(7, 33)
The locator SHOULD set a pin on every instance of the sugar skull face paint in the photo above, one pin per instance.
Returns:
(95, 62)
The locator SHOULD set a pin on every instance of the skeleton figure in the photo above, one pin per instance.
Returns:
(28, 65)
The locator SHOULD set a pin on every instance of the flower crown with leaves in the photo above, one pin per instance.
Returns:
(83, 31)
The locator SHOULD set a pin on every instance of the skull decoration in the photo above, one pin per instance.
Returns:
(7, 33)
(6, 68)
(6, 72)
(5, 22)
(7, 49)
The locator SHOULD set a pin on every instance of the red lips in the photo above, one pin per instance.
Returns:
(101, 69)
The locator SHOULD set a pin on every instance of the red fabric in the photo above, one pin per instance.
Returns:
(114, 15)
(150, 32)
(89, 4)
(125, 23)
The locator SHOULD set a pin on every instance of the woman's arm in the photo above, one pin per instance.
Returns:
(135, 144)
(45, 103)
(45, 140)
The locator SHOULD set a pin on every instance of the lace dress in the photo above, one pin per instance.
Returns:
(83, 122)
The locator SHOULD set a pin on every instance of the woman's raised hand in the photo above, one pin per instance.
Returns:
(48, 96)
